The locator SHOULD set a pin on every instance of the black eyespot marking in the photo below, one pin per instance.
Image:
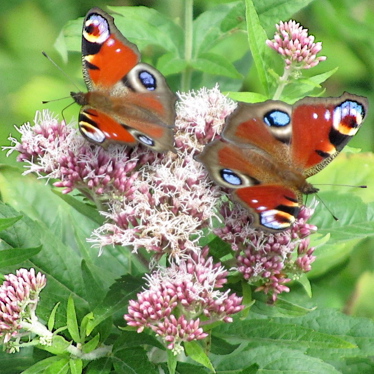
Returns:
(145, 140)
(91, 66)
(277, 118)
(148, 80)
(291, 210)
(322, 153)
(230, 177)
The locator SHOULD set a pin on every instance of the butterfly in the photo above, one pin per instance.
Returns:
(268, 150)
(127, 101)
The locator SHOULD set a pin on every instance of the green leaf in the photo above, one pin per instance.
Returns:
(85, 209)
(144, 26)
(257, 43)
(58, 347)
(187, 368)
(172, 361)
(100, 366)
(272, 11)
(15, 256)
(132, 339)
(358, 332)
(272, 359)
(195, 351)
(76, 366)
(247, 97)
(52, 317)
(50, 365)
(282, 308)
(215, 64)
(8, 222)
(132, 360)
(117, 299)
(170, 64)
(95, 291)
(91, 345)
(259, 332)
(210, 26)
(304, 281)
(72, 323)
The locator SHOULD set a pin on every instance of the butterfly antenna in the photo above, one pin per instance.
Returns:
(328, 209)
(340, 185)
(62, 71)
(62, 98)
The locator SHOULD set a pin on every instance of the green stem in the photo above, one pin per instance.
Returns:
(188, 42)
(283, 81)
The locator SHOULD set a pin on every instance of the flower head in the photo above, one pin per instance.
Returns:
(179, 297)
(268, 261)
(295, 45)
(19, 296)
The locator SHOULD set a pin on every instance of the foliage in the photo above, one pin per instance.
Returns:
(87, 296)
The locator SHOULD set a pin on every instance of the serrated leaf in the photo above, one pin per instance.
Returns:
(95, 291)
(81, 207)
(132, 339)
(273, 359)
(132, 360)
(264, 332)
(117, 299)
(358, 332)
(195, 351)
(100, 366)
(282, 308)
(222, 347)
(272, 11)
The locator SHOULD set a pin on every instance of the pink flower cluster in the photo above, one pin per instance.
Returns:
(54, 150)
(179, 296)
(19, 295)
(295, 45)
(267, 260)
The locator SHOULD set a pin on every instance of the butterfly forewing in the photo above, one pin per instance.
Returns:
(131, 100)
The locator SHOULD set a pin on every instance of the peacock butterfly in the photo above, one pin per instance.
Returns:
(127, 101)
(267, 150)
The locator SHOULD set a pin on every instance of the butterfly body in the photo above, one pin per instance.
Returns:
(268, 150)
(127, 101)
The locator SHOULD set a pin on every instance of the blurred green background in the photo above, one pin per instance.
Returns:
(345, 27)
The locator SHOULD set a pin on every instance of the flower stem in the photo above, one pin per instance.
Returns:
(283, 81)
(188, 32)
